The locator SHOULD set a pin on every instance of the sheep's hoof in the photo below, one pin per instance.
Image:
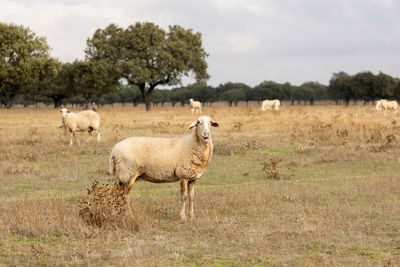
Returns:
(182, 217)
(191, 217)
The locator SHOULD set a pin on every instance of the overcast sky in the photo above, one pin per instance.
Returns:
(248, 41)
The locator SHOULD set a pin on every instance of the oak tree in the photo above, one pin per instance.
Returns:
(145, 55)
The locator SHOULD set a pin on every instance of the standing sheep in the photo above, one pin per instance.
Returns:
(268, 104)
(378, 105)
(87, 120)
(195, 105)
(384, 105)
(164, 160)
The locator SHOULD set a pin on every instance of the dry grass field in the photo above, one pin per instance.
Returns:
(307, 185)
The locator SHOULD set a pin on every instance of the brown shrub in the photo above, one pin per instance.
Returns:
(271, 168)
(106, 205)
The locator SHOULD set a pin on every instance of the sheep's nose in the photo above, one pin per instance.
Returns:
(206, 134)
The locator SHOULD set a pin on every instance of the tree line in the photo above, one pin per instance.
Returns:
(127, 65)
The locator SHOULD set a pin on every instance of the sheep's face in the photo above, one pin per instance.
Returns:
(64, 112)
(202, 128)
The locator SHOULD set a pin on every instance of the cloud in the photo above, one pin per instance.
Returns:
(238, 43)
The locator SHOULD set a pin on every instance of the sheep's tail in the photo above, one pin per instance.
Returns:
(112, 165)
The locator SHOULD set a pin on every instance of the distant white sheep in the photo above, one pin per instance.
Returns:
(164, 160)
(384, 105)
(268, 104)
(195, 105)
(378, 105)
(87, 120)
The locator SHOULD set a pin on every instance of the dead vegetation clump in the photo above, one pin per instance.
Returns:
(107, 206)
(271, 168)
(237, 127)
(388, 144)
(321, 131)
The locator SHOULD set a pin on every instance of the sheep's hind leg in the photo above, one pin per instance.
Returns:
(89, 135)
(127, 187)
(191, 198)
(184, 196)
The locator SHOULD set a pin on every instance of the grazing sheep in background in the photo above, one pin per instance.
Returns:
(378, 105)
(268, 104)
(195, 105)
(93, 106)
(384, 105)
(87, 120)
(164, 160)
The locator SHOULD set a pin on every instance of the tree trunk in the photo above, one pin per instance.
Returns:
(57, 102)
(9, 103)
(146, 100)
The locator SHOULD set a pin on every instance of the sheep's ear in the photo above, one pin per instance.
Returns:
(214, 124)
(195, 123)
(60, 110)
(68, 111)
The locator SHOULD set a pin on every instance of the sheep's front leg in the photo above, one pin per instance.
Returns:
(98, 136)
(72, 137)
(191, 198)
(184, 196)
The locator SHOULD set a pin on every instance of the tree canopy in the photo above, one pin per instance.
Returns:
(147, 56)
(363, 86)
(24, 58)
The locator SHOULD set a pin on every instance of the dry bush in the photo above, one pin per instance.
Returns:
(271, 168)
(107, 206)
(237, 127)
(389, 143)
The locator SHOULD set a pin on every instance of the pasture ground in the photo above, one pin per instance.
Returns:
(308, 185)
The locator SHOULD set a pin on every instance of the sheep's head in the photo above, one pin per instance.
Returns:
(191, 100)
(202, 128)
(64, 112)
